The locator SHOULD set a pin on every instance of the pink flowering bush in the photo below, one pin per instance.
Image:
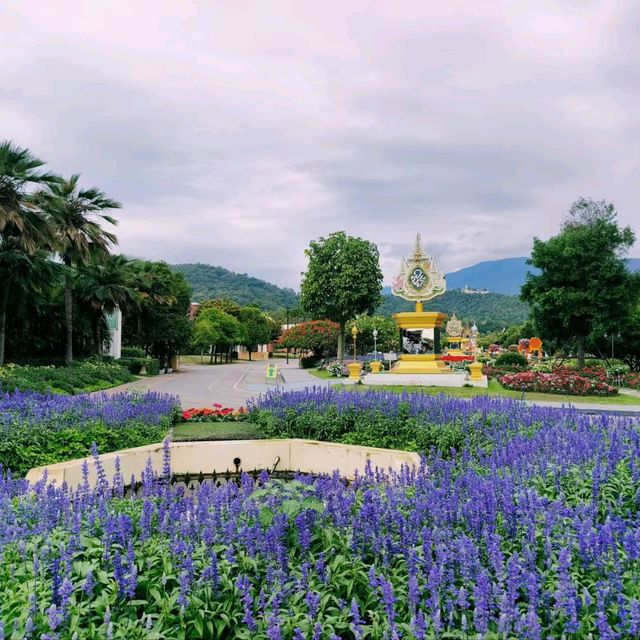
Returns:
(561, 381)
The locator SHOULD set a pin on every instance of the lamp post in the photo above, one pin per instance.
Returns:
(612, 336)
(354, 333)
(287, 330)
(354, 367)
(375, 344)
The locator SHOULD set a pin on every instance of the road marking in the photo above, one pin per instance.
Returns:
(239, 380)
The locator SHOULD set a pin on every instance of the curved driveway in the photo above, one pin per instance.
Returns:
(228, 384)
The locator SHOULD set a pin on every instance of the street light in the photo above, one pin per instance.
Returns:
(375, 344)
(354, 333)
(287, 330)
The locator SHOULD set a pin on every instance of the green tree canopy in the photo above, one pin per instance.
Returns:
(216, 328)
(343, 280)
(256, 328)
(584, 286)
(388, 334)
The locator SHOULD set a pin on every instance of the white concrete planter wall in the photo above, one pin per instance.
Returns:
(306, 456)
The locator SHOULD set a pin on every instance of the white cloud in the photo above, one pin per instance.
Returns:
(234, 133)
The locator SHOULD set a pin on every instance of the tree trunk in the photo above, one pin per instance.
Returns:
(201, 355)
(68, 318)
(341, 342)
(249, 354)
(212, 352)
(4, 303)
(580, 351)
(97, 334)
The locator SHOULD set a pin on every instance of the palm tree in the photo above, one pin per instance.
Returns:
(24, 229)
(25, 277)
(105, 287)
(76, 215)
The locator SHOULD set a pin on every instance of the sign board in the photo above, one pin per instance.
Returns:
(271, 374)
(390, 357)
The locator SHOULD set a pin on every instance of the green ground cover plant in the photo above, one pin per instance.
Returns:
(79, 377)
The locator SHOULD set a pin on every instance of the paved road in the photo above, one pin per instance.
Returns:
(228, 384)
(233, 384)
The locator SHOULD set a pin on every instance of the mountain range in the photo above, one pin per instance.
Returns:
(500, 276)
(496, 309)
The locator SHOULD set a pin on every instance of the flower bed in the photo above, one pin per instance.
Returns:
(38, 429)
(631, 380)
(217, 414)
(561, 381)
(412, 421)
(535, 535)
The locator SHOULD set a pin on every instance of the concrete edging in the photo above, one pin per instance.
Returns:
(306, 456)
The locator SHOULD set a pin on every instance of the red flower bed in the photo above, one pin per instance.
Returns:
(450, 358)
(217, 414)
(563, 381)
(631, 380)
(593, 373)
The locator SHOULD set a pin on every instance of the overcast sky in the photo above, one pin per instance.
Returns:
(234, 132)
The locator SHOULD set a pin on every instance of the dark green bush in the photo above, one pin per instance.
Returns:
(308, 362)
(132, 352)
(511, 359)
(134, 364)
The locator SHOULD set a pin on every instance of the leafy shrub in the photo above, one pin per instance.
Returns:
(631, 380)
(308, 362)
(38, 429)
(134, 365)
(559, 382)
(88, 375)
(510, 359)
(338, 369)
(132, 352)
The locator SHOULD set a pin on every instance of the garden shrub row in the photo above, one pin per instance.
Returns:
(79, 377)
(38, 429)
(134, 364)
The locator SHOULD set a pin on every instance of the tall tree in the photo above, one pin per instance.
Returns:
(257, 329)
(343, 279)
(24, 229)
(161, 325)
(76, 215)
(105, 286)
(584, 286)
(218, 329)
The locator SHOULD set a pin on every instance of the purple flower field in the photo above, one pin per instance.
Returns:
(38, 429)
(534, 533)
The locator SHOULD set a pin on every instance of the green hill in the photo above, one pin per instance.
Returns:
(489, 311)
(209, 282)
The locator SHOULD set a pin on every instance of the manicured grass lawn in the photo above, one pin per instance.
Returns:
(496, 389)
(320, 374)
(216, 431)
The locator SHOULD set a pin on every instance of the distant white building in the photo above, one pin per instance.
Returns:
(470, 291)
